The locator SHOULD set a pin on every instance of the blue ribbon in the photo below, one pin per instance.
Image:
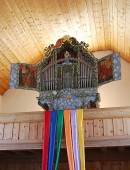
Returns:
(52, 139)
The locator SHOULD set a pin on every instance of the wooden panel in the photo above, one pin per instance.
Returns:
(128, 164)
(106, 165)
(118, 165)
(33, 132)
(108, 127)
(1, 130)
(16, 131)
(93, 165)
(89, 128)
(24, 131)
(98, 132)
(126, 123)
(98, 16)
(8, 131)
(118, 126)
(40, 130)
(98, 127)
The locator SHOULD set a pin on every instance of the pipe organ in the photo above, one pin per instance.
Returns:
(68, 77)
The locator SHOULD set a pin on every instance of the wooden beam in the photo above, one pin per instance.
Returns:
(89, 114)
(90, 143)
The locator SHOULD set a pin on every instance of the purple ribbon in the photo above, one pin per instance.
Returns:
(75, 140)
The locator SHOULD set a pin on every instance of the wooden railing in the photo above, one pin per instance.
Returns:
(102, 128)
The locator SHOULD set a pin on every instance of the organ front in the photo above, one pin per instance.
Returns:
(69, 75)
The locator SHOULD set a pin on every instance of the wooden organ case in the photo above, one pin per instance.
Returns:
(68, 77)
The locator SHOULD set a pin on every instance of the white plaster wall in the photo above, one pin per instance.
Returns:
(117, 93)
(114, 94)
(20, 101)
(0, 103)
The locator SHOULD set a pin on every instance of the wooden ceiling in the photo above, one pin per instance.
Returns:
(28, 26)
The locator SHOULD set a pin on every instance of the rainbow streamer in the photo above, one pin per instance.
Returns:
(75, 139)
(74, 132)
(69, 139)
(81, 138)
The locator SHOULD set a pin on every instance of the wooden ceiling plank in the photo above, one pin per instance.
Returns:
(127, 33)
(39, 36)
(51, 14)
(16, 29)
(4, 78)
(3, 67)
(2, 90)
(121, 26)
(110, 8)
(115, 31)
(106, 21)
(75, 18)
(93, 24)
(8, 52)
(24, 13)
(74, 15)
(41, 21)
(65, 11)
(4, 86)
(32, 28)
(11, 52)
(85, 23)
(31, 42)
(4, 61)
(11, 40)
(4, 71)
(97, 9)
(60, 20)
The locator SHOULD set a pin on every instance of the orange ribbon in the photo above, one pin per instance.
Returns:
(69, 139)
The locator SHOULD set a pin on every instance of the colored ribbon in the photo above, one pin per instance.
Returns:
(69, 139)
(81, 138)
(52, 139)
(59, 137)
(75, 139)
(47, 115)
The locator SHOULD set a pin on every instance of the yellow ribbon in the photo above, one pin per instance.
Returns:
(81, 138)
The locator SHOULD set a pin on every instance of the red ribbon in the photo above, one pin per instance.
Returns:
(47, 116)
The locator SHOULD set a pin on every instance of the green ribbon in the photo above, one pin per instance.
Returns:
(59, 135)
